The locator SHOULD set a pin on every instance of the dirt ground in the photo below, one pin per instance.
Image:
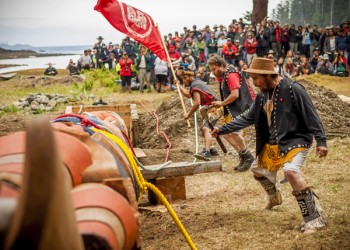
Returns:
(225, 210)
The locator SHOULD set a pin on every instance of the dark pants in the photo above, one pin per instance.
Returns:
(126, 80)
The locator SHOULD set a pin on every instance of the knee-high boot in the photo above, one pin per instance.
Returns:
(310, 209)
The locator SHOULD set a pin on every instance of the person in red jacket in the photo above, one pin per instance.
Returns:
(125, 71)
(250, 45)
(230, 51)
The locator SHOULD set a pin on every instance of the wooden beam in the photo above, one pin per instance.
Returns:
(182, 169)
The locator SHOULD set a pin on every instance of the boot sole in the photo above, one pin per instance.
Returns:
(200, 157)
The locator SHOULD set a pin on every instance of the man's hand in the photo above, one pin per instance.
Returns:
(321, 151)
(215, 132)
(185, 116)
(176, 81)
(216, 103)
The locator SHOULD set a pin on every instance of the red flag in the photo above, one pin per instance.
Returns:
(133, 22)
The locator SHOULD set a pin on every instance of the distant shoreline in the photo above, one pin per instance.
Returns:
(14, 54)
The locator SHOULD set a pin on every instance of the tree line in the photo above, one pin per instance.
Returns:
(321, 12)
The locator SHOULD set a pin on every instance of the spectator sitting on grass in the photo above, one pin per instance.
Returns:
(72, 67)
(50, 71)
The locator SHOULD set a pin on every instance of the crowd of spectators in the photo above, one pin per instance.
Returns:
(296, 50)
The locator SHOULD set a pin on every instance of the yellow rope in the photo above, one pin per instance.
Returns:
(143, 185)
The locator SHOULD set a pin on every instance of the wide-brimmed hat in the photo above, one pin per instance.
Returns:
(262, 66)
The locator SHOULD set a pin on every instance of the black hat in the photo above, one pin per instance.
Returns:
(99, 38)
(194, 26)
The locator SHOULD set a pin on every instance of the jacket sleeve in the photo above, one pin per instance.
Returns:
(309, 114)
(242, 121)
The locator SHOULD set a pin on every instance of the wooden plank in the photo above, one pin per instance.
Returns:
(139, 153)
(182, 169)
(173, 188)
(134, 131)
(116, 108)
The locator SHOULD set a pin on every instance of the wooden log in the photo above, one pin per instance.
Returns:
(182, 169)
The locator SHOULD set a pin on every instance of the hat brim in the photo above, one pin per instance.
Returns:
(261, 72)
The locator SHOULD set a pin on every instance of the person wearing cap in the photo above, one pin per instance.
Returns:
(250, 45)
(229, 52)
(201, 95)
(215, 30)
(200, 46)
(236, 97)
(50, 71)
(221, 43)
(195, 31)
(324, 66)
(101, 51)
(212, 45)
(286, 121)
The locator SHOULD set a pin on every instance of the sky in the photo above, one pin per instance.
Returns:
(75, 22)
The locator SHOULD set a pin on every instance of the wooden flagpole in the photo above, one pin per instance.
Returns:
(174, 75)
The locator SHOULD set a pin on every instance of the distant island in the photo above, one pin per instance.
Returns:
(25, 51)
(12, 54)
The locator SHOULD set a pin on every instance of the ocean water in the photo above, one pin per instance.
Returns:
(59, 62)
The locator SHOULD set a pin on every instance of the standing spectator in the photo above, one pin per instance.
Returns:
(127, 47)
(314, 37)
(321, 42)
(101, 51)
(342, 42)
(250, 45)
(300, 38)
(200, 46)
(278, 38)
(229, 51)
(143, 65)
(232, 32)
(212, 45)
(50, 71)
(330, 44)
(293, 39)
(306, 41)
(273, 39)
(241, 36)
(221, 43)
(285, 40)
(221, 30)
(215, 31)
(117, 52)
(345, 26)
(153, 78)
(125, 71)
(263, 41)
(161, 71)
